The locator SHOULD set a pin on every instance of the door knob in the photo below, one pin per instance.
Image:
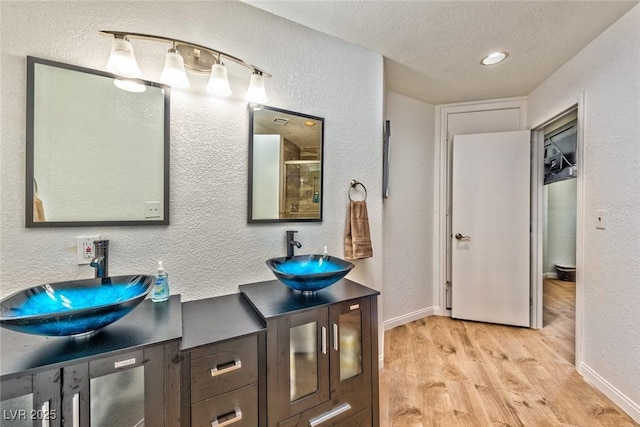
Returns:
(459, 236)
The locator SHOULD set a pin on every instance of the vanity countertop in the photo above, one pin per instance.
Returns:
(148, 324)
(217, 319)
(273, 298)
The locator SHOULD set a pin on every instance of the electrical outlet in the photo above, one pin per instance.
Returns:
(601, 219)
(85, 250)
(152, 209)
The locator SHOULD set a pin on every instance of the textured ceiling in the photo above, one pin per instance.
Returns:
(433, 49)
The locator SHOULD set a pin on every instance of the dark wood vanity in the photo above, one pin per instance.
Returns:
(267, 356)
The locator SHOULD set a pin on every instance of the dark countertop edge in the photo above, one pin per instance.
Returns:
(83, 359)
(198, 346)
(333, 294)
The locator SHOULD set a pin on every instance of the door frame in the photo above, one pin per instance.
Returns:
(441, 177)
(537, 242)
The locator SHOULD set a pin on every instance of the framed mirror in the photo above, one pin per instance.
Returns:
(97, 148)
(285, 166)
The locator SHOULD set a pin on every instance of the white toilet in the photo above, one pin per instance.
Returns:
(566, 272)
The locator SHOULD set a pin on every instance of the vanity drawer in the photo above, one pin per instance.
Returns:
(335, 412)
(223, 367)
(363, 419)
(238, 408)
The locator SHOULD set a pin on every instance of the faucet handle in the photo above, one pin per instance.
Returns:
(101, 243)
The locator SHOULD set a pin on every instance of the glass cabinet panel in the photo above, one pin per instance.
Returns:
(17, 411)
(350, 327)
(118, 399)
(303, 360)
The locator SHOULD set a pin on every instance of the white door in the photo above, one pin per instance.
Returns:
(490, 227)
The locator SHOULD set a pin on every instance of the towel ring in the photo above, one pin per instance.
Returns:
(354, 184)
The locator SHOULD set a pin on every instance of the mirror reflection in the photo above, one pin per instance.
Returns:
(285, 166)
(97, 148)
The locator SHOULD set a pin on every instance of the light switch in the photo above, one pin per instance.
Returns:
(601, 219)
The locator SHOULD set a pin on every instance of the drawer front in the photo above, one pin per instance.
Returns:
(219, 368)
(238, 408)
(363, 419)
(333, 412)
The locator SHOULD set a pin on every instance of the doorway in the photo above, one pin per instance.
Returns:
(559, 226)
(451, 120)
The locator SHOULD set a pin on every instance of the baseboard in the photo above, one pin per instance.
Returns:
(627, 405)
(549, 275)
(410, 317)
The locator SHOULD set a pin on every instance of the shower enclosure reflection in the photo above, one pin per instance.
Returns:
(285, 166)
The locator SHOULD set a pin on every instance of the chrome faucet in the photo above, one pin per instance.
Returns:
(101, 261)
(291, 243)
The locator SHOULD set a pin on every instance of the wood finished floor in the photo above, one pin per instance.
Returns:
(445, 372)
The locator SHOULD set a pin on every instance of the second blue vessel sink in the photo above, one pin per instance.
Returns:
(309, 273)
(73, 307)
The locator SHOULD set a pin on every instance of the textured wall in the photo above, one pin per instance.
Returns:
(559, 223)
(408, 212)
(208, 249)
(607, 71)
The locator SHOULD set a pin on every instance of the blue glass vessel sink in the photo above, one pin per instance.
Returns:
(309, 273)
(73, 307)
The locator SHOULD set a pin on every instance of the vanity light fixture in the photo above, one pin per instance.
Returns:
(183, 54)
(494, 58)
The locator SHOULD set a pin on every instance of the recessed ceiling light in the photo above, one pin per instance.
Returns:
(494, 58)
(309, 123)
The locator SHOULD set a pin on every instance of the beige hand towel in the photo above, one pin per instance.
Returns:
(38, 210)
(357, 240)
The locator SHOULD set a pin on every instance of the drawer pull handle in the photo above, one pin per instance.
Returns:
(224, 368)
(313, 422)
(237, 416)
(336, 337)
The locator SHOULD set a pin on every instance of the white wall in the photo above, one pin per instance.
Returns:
(559, 224)
(408, 212)
(608, 71)
(208, 249)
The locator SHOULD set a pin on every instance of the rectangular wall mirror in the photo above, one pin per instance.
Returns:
(285, 166)
(97, 148)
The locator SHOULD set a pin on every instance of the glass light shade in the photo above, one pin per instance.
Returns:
(129, 85)
(173, 73)
(256, 92)
(122, 61)
(218, 82)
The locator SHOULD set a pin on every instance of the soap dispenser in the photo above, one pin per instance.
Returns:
(160, 291)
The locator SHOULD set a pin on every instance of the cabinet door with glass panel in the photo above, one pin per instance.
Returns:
(325, 353)
(31, 400)
(350, 360)
(121, 390)
(303, 347)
